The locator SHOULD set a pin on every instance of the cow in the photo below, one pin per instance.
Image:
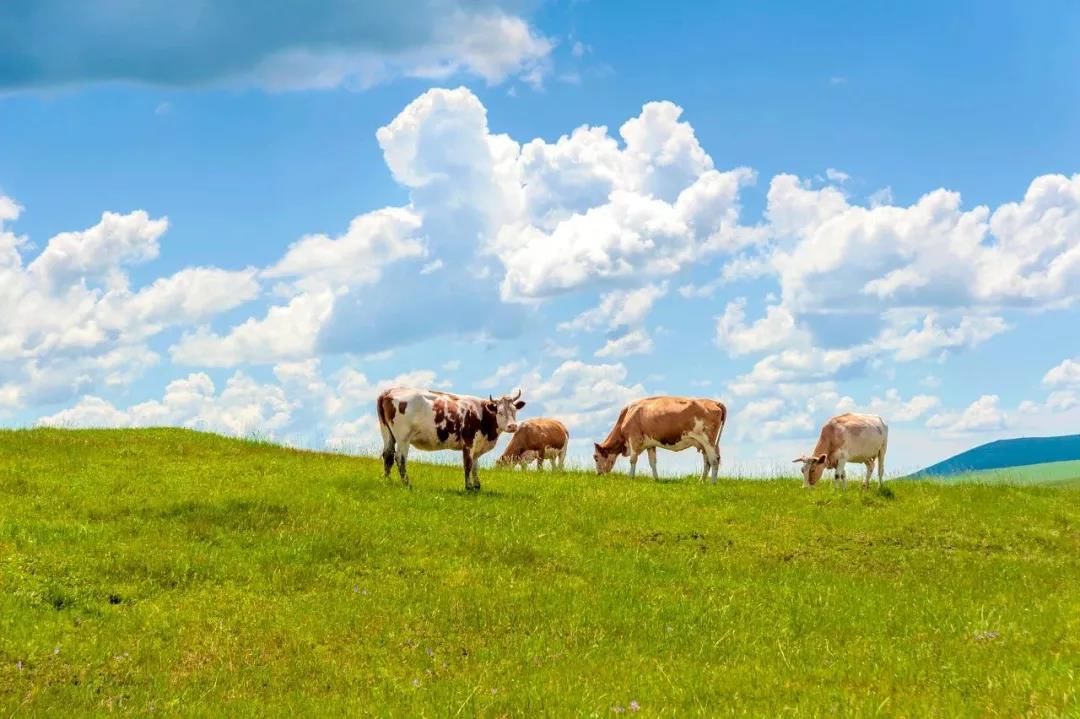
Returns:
(850, 437)
(673, 423)
(431, 420)
(536, 440)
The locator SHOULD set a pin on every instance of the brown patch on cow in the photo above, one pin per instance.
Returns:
(669, 436)
(470, 424)
(386, 408)
(402, 405)
(447, 418)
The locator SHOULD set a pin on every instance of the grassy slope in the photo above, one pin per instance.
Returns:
(1067, 473)
(1007, 454)
(184, 573)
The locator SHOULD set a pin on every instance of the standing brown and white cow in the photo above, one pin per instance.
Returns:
(431, 420)
(673, 423)
(536, 440)
(850, 437)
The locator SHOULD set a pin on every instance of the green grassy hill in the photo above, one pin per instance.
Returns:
(1007, 454)
(170, 572)
(1064, 474)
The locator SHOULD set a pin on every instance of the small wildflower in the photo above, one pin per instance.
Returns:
(56, 650)
(356, 590)
(430, 652)
(618, 709)
(634, 706)
(416, 682)
(19, 666)
(494, 691)
(364, 592)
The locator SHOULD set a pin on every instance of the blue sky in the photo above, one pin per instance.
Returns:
(797, 210)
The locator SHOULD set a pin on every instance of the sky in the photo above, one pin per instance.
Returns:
(251, 224)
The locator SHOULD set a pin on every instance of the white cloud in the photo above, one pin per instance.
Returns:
(373, 240)
(892, 407)
(501, 375)
(795, 367)
(1066, 373)
(635, 342)
(837, 176)
(98, 253)
(286, 332)
(922, 340)
(777, 329)
(586, 397)
(881, 196)
(301, 407)
(244, 407)
(618, 309)
(982, 415)
(79, 325)
(433, 266)
(931, 253)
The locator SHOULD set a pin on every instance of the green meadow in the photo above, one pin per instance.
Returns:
(1063, 473)
(175, 573)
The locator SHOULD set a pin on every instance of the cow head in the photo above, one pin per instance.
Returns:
(812, 467)
(505, 411)
(605, 460)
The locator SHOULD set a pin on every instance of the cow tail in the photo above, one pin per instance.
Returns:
(379, 409)
(384, 425)
(723, 419)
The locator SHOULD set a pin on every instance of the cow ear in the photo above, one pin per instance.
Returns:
(800, 459)
(491, 406)
(596, 446)
(820, 459)
(519, 404)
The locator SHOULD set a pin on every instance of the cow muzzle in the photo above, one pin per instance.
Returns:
(511, 428)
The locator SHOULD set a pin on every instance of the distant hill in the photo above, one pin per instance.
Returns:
(1006, 453)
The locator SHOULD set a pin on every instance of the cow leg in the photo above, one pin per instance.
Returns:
(841, 474)
(712, 456)
(562, 458)
(869, 474)
(467, 462)
(402, 457)
(387, 453)
(540, 462)
(652, 462)
(633, 462)
(881, 469)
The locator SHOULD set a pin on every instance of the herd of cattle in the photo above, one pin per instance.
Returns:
(432, 420)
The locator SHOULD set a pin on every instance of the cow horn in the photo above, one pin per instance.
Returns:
(517, 396)
(491, 399)
(800, 459)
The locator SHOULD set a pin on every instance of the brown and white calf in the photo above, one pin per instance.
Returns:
(431, 420)
(536, 440)
(673, 423)
(861, 438)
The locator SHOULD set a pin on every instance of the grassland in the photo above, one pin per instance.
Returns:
(175, 573)
(1065, 473)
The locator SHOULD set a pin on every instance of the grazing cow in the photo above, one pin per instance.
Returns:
(536, 440)
(847, 438)
(431, 420)
(674, 423)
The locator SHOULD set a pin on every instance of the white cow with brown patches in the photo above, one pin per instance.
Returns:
(431, 420)
(672, 423)
(850, 437)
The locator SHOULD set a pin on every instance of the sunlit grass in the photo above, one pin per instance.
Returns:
(180, 573)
